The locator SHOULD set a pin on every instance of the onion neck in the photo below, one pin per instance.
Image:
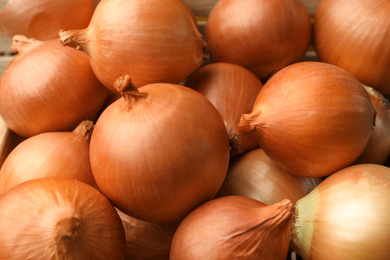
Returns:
(66, 234)
(76, 39)
(248, 122)
(129, 92)
(85, 129)
(22, 44)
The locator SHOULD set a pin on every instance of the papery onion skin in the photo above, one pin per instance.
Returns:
(263, 36)
(61, 154)
(153, 41)
(234, 227)
(59, 218)
(42, 19)
(256, 176)
(159, 151)
(57, 91)
(232, 89)
(312, 119)
(354, 35)
(346, 216)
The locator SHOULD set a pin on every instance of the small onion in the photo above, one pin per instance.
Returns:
(312, 119)
(234, 227)
(153, 41)
(354, 35)
(42, 19)
(62, 154)
(263, 36)
(59, 218)
(232, 89)
(48, 88)
(159, 151)
(256, 176)
(346, 216)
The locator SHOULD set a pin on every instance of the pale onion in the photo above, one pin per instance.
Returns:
(147, 240)
(47, 87)
(159, 151)
(153, 41)
(346, 217)
(50, 154)
(378, 147)
(59, 218)
(256, 176)
(311, 118)
(43, 19)
(234, 227)
(354, 35)
(263, 36)
(232, 89)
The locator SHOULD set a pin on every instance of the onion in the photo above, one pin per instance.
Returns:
(354, 35)
(42, 19)
(62, 154)
(378, 147)
(159, 151)
(57, 91)
(263, 36)
(153, 41)
(311, 118)
(256, 176)
(232, 89)
(234, 227)
(346, 216)
(147, 240)
(59, 218)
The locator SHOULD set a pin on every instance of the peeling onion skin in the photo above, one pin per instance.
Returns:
(346, 216)
(263, 36)
(312, 119)
(256, 176)
(59, 218)
(159, 151)
(126, 37)
(232, 89)
(354, 35)
(57, 91)
(61, 154)
(234, 227)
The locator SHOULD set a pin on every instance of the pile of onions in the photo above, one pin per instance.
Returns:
(62, 154)
(234, 227)
(346, 216)
(42, 19)
(48, 88)
(159, 151)
(256, 176)
(354, 35)
(311, 118)
(232, 89)
(153, 41)
(378, 147)
(59, 218)
(263, 36)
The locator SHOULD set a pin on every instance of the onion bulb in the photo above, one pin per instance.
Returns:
(354, 35)
(62, 154)
(346, 216)
(48, 88)
(43, 19)
(153, 41)
(232, 89)
(256, 176)
(311, 118)
(234, 227)
(59, 218)
(159, 151)
(263, 36)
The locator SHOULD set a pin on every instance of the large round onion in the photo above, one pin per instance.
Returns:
(354, 35)
(159, 151)
(59, 218)
(263, 36)
(311, 118)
